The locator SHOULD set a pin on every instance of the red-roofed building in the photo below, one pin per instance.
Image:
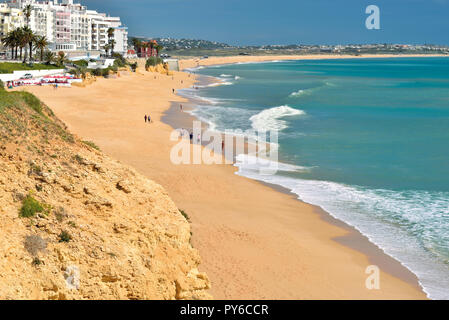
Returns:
(145, 50)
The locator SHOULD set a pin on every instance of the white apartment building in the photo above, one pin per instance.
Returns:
(71, 27)
(120, 34)
(10, 19)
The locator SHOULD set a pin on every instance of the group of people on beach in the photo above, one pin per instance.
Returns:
(187, 133)
(148, 119)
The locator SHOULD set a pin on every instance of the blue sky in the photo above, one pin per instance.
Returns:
(256, 22)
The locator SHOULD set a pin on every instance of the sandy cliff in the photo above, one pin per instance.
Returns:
(98, 229)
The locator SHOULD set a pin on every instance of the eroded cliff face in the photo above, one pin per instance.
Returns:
(75, 224)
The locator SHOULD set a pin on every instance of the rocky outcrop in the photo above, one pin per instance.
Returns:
(104, 231)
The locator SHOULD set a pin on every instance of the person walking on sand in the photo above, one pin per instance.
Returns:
(173, 91)
(149, 119)
(180, 107)
(146, 118)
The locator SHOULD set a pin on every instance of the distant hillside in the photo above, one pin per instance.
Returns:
(178, 44)
(191, 47)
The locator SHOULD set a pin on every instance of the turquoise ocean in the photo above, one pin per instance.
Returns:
(365, 139)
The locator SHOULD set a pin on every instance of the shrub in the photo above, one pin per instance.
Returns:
(37, 262)
(30, 207)
(120, 61)
(97, 72)
(81, 63)
(185, 215)
(61, 214)
(105, 72)
(64, 236)
(133, 66)
(35, 169)
(153, 61)
(35, 244)
(2, 85)
(79, 159)
(92, 145)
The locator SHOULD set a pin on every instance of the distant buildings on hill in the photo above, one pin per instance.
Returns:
(200, 47)
(68, 26)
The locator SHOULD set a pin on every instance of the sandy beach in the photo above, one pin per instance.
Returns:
(256, 242)
(196, 62)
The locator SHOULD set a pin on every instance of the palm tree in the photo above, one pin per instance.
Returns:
(112, 44)
(41, 43)
(28, 38)
(22, 41)
(9, 41)
(27, 12)
(111, 33)
(159, 48)
(16, 42)
(111, 40)
(49, 57)
(61, 59)
(107, 47)
(151, 45)
(136, 43)
(144, 46)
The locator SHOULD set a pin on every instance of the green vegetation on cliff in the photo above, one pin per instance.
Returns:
(20, 111)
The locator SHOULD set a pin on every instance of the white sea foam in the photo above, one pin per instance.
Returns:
(224, 83)
(194, 69)
(272, 119)
(309, 91)
(379, 215)
(252, 163)
(300, 92)
(229, 76)
(219, 118)
(216, 84)
(260, 62)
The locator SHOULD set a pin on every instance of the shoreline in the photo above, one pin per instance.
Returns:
(218, 61)
(354, 239)
(253, 247)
